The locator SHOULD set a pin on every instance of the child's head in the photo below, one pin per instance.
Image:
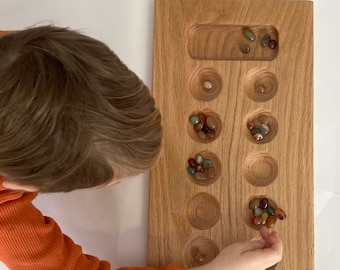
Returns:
(72, 115)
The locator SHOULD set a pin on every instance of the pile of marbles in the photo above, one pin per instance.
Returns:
(200, 168)
(264, 213)
(259, 127)
(204, 125)
(266, 40)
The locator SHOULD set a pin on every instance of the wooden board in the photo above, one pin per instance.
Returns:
(199, 40)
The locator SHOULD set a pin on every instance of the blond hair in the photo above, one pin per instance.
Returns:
(72, 115)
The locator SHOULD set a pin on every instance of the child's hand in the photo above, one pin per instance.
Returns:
(258, 254)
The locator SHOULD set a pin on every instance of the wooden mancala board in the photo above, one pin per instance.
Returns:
(213, 58)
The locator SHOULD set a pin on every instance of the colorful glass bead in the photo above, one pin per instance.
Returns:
(207, 85)
(199, 258)
(192, 162)
(272, 44)
(265, 129)
(200, 176)
(244, 48)
(198, 127)
(258, 212)
(207, 164)
(255, 203)
(201, 135)
(264, 119)
(265, 39)
(210, 134)
(255, 131)
(256, 220)
(270, 210)
(260, 89)
(264, 217)
(280, 214)
(194, 119)
(200, 168)
(249, 34)
(264, 203)
(211, 172)
(191, 170)
(199, 159)
(211, 122)
(270, 221)
(205, 128)
(250, 125)
(203, 118)
(258, 137)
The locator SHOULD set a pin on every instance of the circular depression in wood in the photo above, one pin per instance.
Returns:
(260, 84)
(200, 251)
(211, 177)
(261, 117)
(260, 169)
(195, 135)
(205, 83)
(203, 211)
(248, 213)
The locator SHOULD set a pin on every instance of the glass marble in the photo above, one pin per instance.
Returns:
(192, 162)
(207, 85)
(264, 119)
(244, 48)
(198, 127)
(260, 89)
(265, 39)
(255, 203)
(265, 129)
(264, 203)
(211, 122)
(200, 176)
(199, 168)
(264, 217)
(258, 212)
(256, 220)
(194, 119)
(272, 44)
(210, 134)
(258, 137)
(211, 172)
(191, 170)
(248, 34)
(207, 163)
(203, 118)
(270, 210)
(280, 214)
(250, 125)
(201, 135)
(270, 221)
(199, 159)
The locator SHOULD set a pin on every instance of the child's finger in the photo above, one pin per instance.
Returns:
(265, 235)
(264, 232)
(251, 245)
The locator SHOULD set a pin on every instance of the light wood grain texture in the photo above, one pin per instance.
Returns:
(174, 198)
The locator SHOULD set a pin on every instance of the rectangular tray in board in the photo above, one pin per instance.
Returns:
(193, 38)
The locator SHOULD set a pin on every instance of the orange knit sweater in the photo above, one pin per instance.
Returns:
(30, 241)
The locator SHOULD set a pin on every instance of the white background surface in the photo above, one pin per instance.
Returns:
(112, 222)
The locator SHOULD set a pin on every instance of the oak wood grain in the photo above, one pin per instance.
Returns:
(171, 235)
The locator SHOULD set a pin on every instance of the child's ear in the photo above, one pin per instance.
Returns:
(15, 186)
